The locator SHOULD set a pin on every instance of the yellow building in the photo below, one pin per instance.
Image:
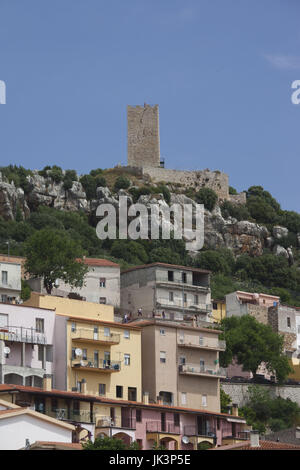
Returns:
(92, 353)
(218, 310)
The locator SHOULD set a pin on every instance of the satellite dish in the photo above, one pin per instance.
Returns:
(6, 350)
(78, 352)
(185, 440)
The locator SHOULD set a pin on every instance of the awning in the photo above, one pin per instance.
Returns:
(236, 420)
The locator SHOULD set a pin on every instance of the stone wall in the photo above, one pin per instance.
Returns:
(215, 180)
(260, 312)
(143, 136)
(238, 392)
(238, 199)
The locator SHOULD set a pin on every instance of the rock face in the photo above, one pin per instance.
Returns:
(239, 236)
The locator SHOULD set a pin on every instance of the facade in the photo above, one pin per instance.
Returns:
(247, 303)
(180, 364)
(15, 259)
(166, 291)
(146, 423)
(102, 284)
(20, 427)
(282, 319)
(10, 282)
(218, 310)
(26, 344)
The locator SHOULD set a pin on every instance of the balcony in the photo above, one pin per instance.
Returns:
(216, 346)
(158, 426)
(177, 304)
(121, 423)
(76, 416)
(86, 335)
(202, 432)
(195, 370)
(20, 334)
(102, 365)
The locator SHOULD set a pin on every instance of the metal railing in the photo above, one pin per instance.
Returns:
(80, 416)
(117, 422)
(158, 426)
(103, 364)
(189, 341)
(195, 369)
(89, 334)
(21, 334)
(178, 303)
(192, 430)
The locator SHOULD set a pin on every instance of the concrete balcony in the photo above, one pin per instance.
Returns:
(159, 427)
(86, 335)
(195, 370)
(80, 416)
(192, 430)
(177, 304)
(191, 343)
(20, 334)
(102, 365)
(117, 422)
(179, 285)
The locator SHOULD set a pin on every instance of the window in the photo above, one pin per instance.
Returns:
(101, 389)
(54, 404)
(73, 326)
(204, 400)
(119, 391)
(102, 282)
(171, 296)
(182, 360)
(184, 278)
(162, 331)
(106, 331)
(196, 299)
(73, 353)
(184, 297)
(3, 319)
(131, 393)
(4, 298)
(84, 354)
(183, 398)
(288, 322)
(39, 325)
(171, 276)
(40, 352)
(49, 353)
(202, 365)
(215, 306)
(127, 359)
(201, 340)
(176, 419)
(127, 334)
(138, 415)
(4, 277)
(102, 300)
(162, 356)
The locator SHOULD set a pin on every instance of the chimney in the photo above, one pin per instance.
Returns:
(235, 409)
(146, 398)
(298, 432)
(254, 439)
(83, 387)
(47, 382)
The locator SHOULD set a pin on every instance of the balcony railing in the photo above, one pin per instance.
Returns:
(195, 369)
(118, 422)
(158, 426)
(102, 364)
(22, 335)
(191, 343)
(80, 416)
(178, 303)
(193, 430)
(83, 334)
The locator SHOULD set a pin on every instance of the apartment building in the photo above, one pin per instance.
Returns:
(10, 282)
(180, 364)
(26, 344)
(101, 284)
(168, 291)
(147, 423)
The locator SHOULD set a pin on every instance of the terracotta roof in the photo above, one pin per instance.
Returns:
(48, 445)
(127, 326)
(166, 265)
(263, 445)
(98, 262)
(81, 396)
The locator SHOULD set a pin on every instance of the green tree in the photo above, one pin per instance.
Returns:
(51, 254)
(109, 443)
(121, 183)
(208, 197)
(251, 343)
(225, 401)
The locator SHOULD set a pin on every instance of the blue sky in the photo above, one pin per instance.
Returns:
(220, 70)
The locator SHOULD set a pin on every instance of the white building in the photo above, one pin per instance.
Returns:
(21, 427)
(10, 282)
(102, 284)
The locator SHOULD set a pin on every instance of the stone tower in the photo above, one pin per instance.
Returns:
(143, 136)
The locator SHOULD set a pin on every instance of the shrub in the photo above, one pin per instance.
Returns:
(208, 197)
(121, 183)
